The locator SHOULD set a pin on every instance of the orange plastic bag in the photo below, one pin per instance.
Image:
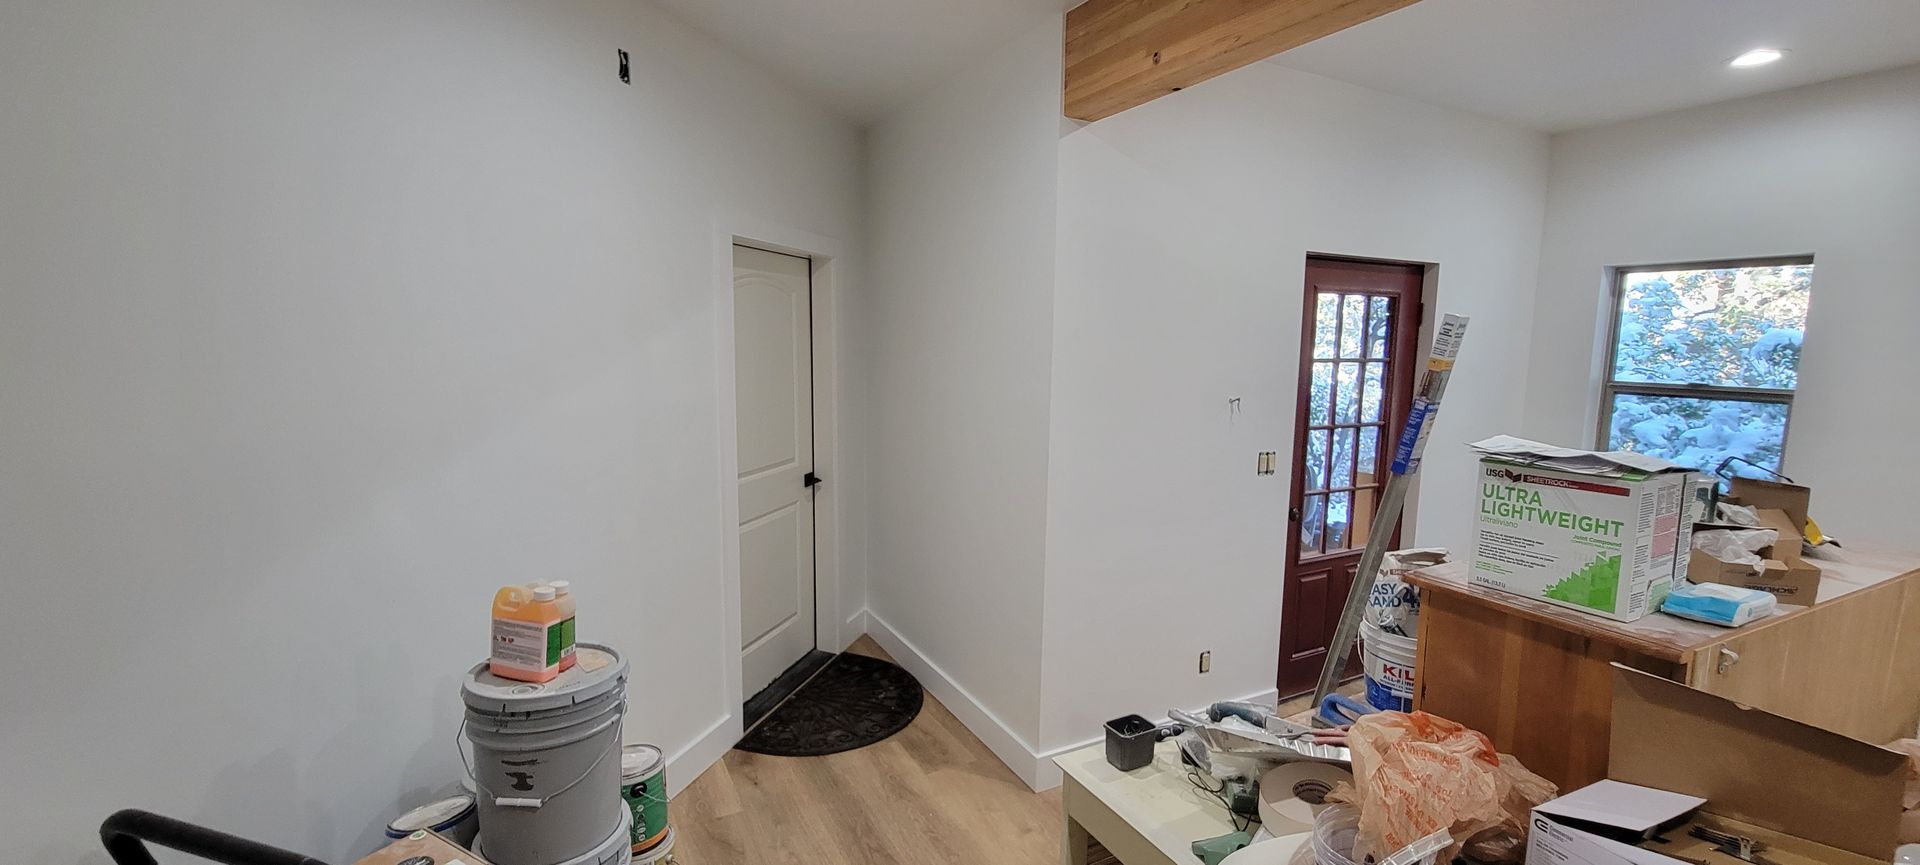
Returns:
(1417, 773)
(1507, 842)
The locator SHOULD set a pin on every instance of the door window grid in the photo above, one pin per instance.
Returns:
(1346, 420)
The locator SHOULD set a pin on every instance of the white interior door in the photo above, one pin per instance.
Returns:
(773, 368)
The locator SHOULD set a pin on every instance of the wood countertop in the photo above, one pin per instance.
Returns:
(1670, 638)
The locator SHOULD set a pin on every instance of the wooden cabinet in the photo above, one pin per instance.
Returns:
(1536, 677)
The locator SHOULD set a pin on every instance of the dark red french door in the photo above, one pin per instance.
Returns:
(1356, 379)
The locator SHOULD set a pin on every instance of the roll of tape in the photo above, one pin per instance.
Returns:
(1292, 793)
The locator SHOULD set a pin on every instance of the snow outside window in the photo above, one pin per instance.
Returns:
(1704, 359)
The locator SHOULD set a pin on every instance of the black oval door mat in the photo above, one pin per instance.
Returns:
(855, 702)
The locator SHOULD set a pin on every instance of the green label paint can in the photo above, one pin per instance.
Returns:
(643, 784)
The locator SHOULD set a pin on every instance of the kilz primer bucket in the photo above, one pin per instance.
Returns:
(546, 760)
(1389, 663)
(643, 786)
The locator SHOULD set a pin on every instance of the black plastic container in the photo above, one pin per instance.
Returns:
(1130, 741)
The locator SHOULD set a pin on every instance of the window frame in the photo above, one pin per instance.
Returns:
(1610, 388)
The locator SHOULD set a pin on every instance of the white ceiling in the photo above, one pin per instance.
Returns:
(1563, 64)
(1546, 64)
(862, 58)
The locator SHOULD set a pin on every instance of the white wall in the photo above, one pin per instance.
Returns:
(1833, 170)
(962, 215)
(319, 321)
(1184, 230)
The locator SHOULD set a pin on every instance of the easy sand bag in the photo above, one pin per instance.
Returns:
(546, 759)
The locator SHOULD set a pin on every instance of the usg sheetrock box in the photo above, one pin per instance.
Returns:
(1597, 532)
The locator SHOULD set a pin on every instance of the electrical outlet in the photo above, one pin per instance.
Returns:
(1206, 662)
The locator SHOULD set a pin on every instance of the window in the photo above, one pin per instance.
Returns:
(1704, 359)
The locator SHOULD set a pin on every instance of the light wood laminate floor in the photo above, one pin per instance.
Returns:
(930, 795)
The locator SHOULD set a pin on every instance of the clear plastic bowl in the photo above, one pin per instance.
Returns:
(1334, 831)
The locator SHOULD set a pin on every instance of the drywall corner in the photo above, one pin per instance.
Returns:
(962, 215)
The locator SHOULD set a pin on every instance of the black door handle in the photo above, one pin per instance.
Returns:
(811, 480)
(1293, 514)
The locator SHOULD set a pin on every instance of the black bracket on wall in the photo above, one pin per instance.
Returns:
(626, 75)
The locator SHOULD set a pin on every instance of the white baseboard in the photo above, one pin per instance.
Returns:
(856, 627)
(1034, 767)
(699, 755)
(1002, 741)
(713, 743)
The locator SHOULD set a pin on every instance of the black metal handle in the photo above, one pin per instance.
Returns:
(126, 834)
(812, 480)
(1721, 470)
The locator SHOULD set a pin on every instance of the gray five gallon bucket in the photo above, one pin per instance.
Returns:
(546, 759)
(613, 850)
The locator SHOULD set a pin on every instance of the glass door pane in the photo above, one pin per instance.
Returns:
(1346, 418)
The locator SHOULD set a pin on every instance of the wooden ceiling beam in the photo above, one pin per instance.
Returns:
(1123, 53)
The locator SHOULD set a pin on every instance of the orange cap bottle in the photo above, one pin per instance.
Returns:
(527, 634)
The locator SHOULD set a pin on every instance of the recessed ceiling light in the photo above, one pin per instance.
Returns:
(1757, 57)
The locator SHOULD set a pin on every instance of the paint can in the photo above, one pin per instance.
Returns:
(1388, 661)
(661, 854)
(643, 787)
(546, 760)
(612, 850)
(455, 818)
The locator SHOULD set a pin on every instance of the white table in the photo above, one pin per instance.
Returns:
(1149, 816)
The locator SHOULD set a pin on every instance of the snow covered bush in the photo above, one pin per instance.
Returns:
(1718, 328)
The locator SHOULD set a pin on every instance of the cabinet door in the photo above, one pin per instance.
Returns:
(1542, 693)
(1846, 665)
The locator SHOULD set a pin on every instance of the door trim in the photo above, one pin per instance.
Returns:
(831, 628)
(1407, 347)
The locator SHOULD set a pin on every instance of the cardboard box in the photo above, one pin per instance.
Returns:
(425, 846)
(1797, 583)
(1603, 541)
(1782, 572)
(1791, 498)
(1681, 757)
(1696, 505)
